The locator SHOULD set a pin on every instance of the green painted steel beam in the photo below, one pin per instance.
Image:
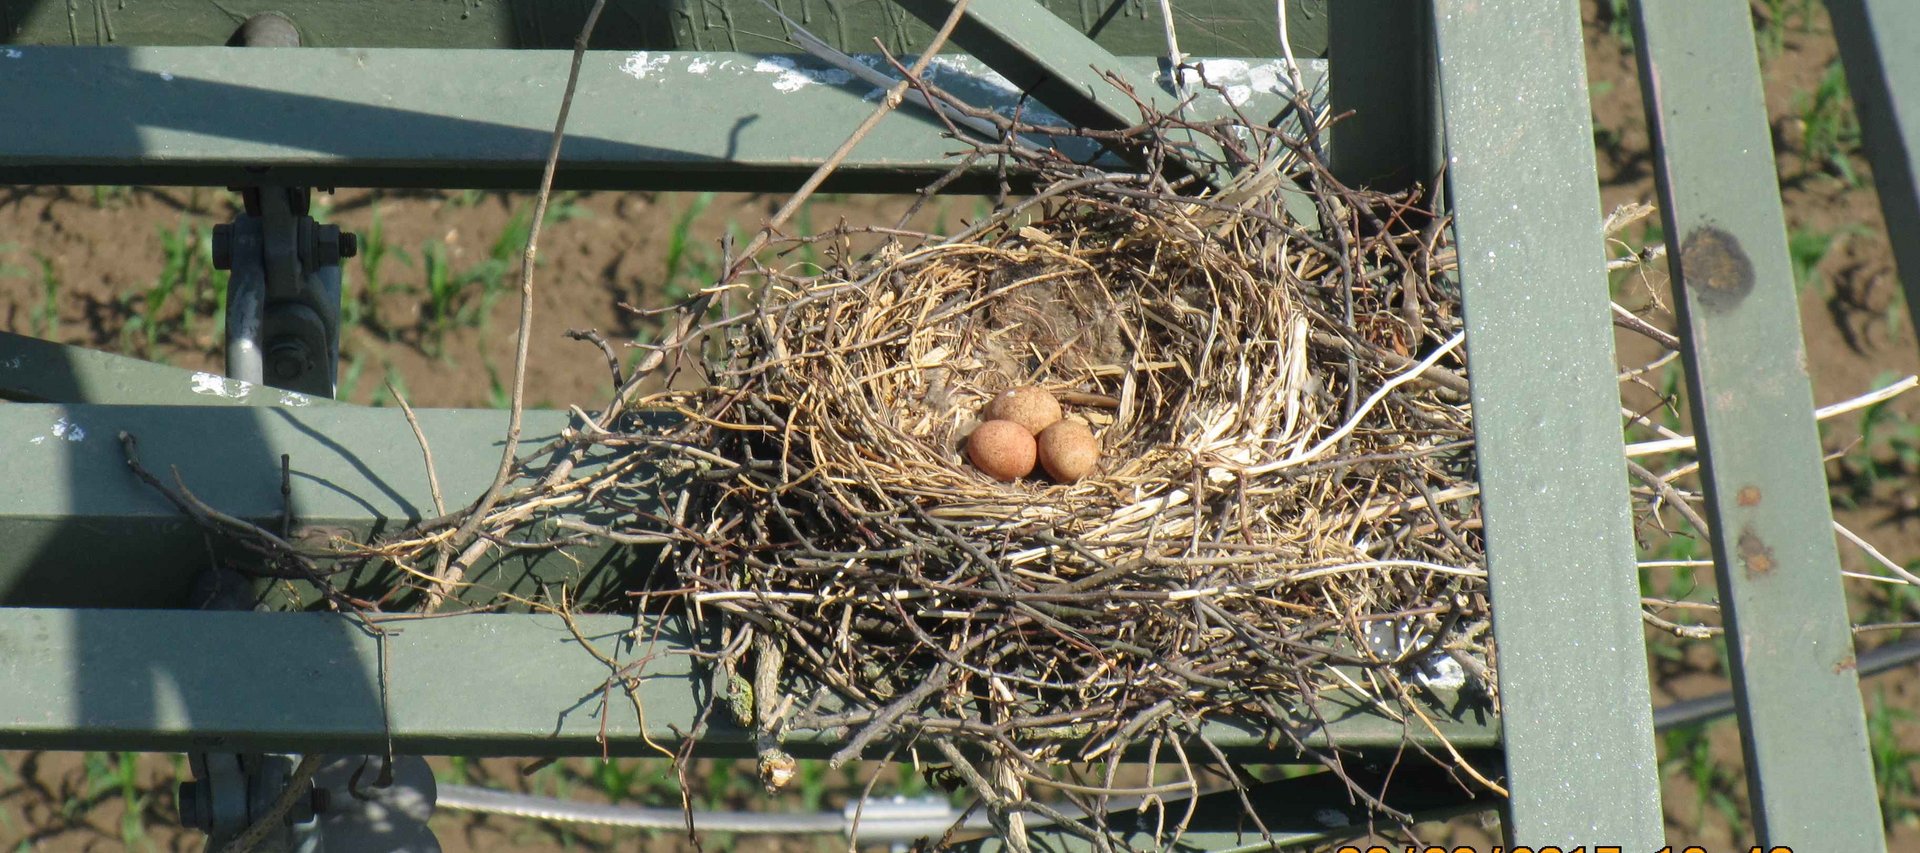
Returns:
(1206, 27)
(1788, 642)
(37, 371)
(458, 118)
(1384, 78)
(1573, 674)
(155, 680)
(489, 684)
(1071, 74)
(1880, 46)
(1047, 57)
(87, 533)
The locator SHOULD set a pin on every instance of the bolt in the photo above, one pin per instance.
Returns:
(287, 358)
(330, 244)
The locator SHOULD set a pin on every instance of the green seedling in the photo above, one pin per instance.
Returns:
(1688, 750)
(105, 196)
(1619, 18)
(679, 240)
(1893, 603)
(811, 781)
(443, 296)
(565, 206)
(1889, 448)
(809, 256)
(1774, 18)
(210, 289)
(1806, 249)
(381, 396)
(46, 315)
(499, 396)
(1830, 130)
(356, 363)
(459, 771)
(466, 298)
(109, 775)
(153, 317)
(357, 305)
(1893, 763)
(623, 782)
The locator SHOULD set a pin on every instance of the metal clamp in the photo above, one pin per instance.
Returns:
(230, 792)
(283, 297)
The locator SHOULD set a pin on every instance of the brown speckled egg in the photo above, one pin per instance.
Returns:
(1029, 406)
(1002, 449)
(1068, 451)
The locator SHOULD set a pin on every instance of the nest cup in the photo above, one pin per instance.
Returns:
(1183, 361)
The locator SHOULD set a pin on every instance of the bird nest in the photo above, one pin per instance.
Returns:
(1283, 504)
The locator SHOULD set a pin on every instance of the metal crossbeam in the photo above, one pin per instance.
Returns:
(1384, 87)
(1209, 28)
(454, 119)
(168, 680)
(1791, 652)
(1546, 420)
(1045, 56)
(89, 534)
(37, 371)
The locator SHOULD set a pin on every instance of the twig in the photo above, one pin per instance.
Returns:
(1628, 320)
(450, 574)
(1898, 570)
(934, 683)
(592, 336)
(433, 476)
(1672, 445)
(887, 105)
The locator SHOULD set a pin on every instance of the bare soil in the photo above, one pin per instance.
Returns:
(105, 248)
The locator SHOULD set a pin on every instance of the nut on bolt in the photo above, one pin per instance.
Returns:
(331, 245)
(287, 358)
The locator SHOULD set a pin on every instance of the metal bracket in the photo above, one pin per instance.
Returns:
(283, 297)
(342, 807)
(230, 791)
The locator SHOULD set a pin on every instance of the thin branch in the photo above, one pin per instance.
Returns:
(433, 476)
(450, 574)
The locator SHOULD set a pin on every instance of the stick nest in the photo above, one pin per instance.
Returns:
(1285, 480)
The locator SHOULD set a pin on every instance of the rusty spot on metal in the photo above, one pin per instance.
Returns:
(1754, 554)
(1749, 496)
(1846, 663)
(1715, 269)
